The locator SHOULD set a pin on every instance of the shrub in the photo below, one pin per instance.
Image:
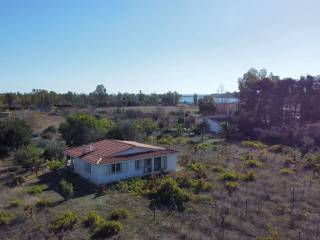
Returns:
(252, 144)
(44, 202)
(34, 190)
(286, 171)
(249, 176)
(229, 176)
(64, 221)
(202, 146)
(170, 195)
(119, 214)
(30, 157)
(231, 185)
(199, 169)
(273, 235)
(54, 165)
(200, 185)
(16, 203)
(108, 229)
(134, 186)
(5, 218)
(218, 169)
(93, 220)
(66, 188)
(253, 163)
(166, 140)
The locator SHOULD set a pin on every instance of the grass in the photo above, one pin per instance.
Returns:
(247, 199)
(35, 190)
(253, 164)
(253, 144)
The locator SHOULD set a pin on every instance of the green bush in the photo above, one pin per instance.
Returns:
(200, 185)
(15, 203)
(64, 221)
(253, 164)
(166, 140)
(171, 195)
(134, 186)
(34, 190)
(66, 188)
(249, 176)
(202, 146)
(252, 144)
(107, 229)
(5, 218)
(218, 169)
(231, 185)
(93, 220)
(229, 176)
(119, 214)
(199, 169)
(286, 171)
(54, 165)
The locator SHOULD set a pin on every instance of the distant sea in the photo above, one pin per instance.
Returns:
(189, 99)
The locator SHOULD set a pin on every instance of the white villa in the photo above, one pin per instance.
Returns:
(108, 161)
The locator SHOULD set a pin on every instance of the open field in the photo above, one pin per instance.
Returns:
(280, 196)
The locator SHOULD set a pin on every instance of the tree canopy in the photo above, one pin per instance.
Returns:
(82, 128)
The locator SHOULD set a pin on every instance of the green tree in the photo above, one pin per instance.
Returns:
(14, 133)
(207, 105)
(30, 157)
(82, 128)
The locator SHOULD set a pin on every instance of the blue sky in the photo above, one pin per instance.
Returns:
(153, 45)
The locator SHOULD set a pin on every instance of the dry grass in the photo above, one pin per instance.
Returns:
(286, 203)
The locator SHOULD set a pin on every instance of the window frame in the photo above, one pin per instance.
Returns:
(137, 165)
(116, 168)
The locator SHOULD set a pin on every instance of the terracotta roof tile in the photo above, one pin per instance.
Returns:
(107, 151)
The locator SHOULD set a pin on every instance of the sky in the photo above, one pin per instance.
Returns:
(188, 46)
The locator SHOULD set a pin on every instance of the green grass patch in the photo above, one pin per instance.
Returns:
(229, 176)
(253, 164)
(15, 203)
(5, 218)
(64, 221)
(93, 220)
(252, 144)
(107, 229)
(35, 190)
(119, 214)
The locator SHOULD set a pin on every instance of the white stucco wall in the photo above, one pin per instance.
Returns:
(100, 174)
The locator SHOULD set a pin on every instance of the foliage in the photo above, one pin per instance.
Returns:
(44, 202)
(54, 165)
(35, 190)
(231, 185)
(277, 148)
(166, 140)
(253, 164)
(119, 214)
(14, 133)
(199, 169)
(252, 144)
(249, 176)
(53, 149)
(229, 176)
(66, 188)
(146, 126)
(93, 220)
(29, 157)
(15, 203)
(171, 195)
(5, 218)
(64, 221)
(49, 132)
(202, 146)
(207, 105)
(312, 160)
(82, 128)
(123, 130)
(107, 229)
(286, 171)
(135, 186)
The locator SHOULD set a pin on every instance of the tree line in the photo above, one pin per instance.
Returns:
(275, 110)
(40, 98)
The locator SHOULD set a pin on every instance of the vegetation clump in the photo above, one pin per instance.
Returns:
(107, 229)
(286, 171)
(231, 186)
(44, 202)
(66, 188)
(54, 165)
(35, 190)
(249, 176)
(15, 203)
(252, 144)
(171, 195)
(119, 214)
(93, 220)
(253, 164)
(64, 221)
(229, 176)
(5, 218)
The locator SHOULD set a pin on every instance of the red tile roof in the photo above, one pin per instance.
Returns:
(109, 151)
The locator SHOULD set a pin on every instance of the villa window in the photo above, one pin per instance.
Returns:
(137, 165)
(116, 168)
(164, 162)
